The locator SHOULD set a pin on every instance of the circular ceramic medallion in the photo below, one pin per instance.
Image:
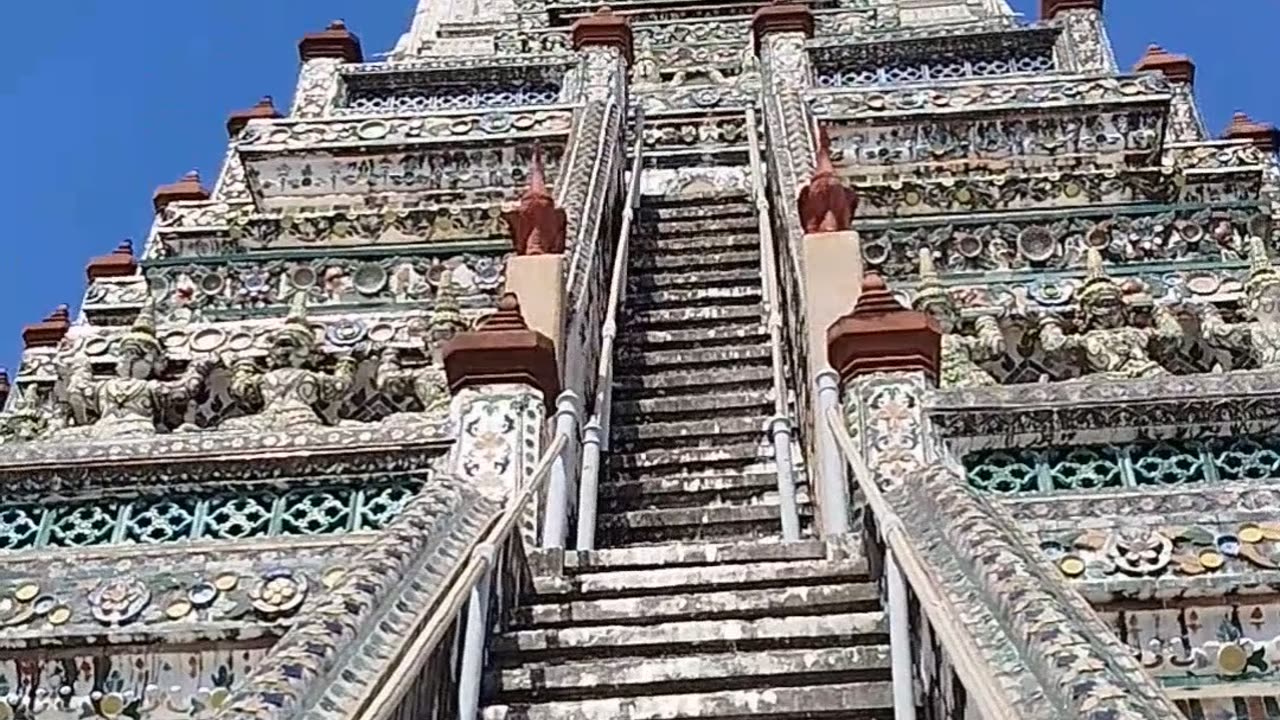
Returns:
(178, 610)
(202, 594)
(875, 252)
(1203, 284)
(26, 592)
(1071, 566)
(240, 341)
(369, 278)
(1099, 236)
(461, 127)
(208, 340)
(524, 121)
(382, 332)
(96, 346)
(226, 581)
(175, 339)
(278, 592)
(111, 704)
(212, 283)
(302, 278)
(345, 332)
(1211, 559)
(495, 122)
(969, 245)
(1232, 659)
(373, 130)
(1250, 534)
(218, 696)
(1036, 244)
(59, 615)
(118, 600)
(333, 577)
(44, 604)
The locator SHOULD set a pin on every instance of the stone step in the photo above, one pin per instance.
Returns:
(654, 209)
(678, 432)
(756, 403)
(695, 242)
(668, 638)
(685, 382)
(648, 262)
(686, 278)
(662, 525)
(706, 226)
(695, 297)
(684, 555)
(871, 700)
(725, 604)
(641, 580)
(746, 334)
(700, 672)
(685, 491)
(630, 359)
(726, 455)
(714, 316)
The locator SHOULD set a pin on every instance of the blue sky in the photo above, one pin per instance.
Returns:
(103, 100)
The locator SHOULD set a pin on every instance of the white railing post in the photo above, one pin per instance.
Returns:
(904, 701)
(473, 642)
(780, 431)
(779, 427)
(596, 433)
(568, 411)
(833, 494)
(588, 491)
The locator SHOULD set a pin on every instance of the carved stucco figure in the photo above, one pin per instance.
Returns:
(961, 353)
(291, 387)
(132, 403)
(1107, 344)
(427, 382)
(1260, 338)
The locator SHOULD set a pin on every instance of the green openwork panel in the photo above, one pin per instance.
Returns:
(1141, 464)
(245, 514)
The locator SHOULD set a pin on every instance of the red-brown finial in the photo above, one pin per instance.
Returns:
(537, 225)
(265, 109)
(4, 386)
(1264, 136)
(781, 17)
(186, 189)
(1178, 68)
(603, 28)
(117, 263)
(48, 332)
(1049, 9)
(880, 335)
(825, 204)
(503, 350)
(335, 41)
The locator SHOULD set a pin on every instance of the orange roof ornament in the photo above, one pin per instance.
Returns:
(825, 204)
(537, 225)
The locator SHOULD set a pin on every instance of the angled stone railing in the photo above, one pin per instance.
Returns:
(1023, 643)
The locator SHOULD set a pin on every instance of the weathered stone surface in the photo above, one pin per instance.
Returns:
(690, 553)
(689, 491)
(786, 702)
(691, 242)
(683, 579)
(693, 383)
(694, 317)
(723, 259)
(725, 401)
(758, 519)
(698, 297)
(686, 432)
(748, 333)
(695, 278)
(689, 459)
(720, 356)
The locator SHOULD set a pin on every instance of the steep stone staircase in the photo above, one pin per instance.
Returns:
(704, 630)
(693, 381)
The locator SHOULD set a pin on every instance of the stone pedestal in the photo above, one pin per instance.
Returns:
(537, 281)
(832, 264)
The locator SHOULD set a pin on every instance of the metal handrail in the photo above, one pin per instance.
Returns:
(966, 659)
(596, 430)
(461, 588)
(779, 427)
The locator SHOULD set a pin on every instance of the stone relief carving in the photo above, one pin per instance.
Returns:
(130, 403)
(1106, 343)
(1259, 337)
(961, 353)
(290, 387)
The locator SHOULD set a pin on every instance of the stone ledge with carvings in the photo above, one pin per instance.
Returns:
(832, 51)
(444, 63)
(1085, 93)
(1102, 410)
(446, 126)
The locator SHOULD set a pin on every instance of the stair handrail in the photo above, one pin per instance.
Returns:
(779, 426)
(901, 554)
(595, 434)
(466, 589)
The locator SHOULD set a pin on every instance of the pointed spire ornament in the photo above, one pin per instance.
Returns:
(1262, 273)
(537, 225)
(1098, 288)
(931, 292)
(825, 204)
(141, 337)
(446, 314)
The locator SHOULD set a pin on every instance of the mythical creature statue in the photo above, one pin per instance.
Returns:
(1260, 338)
(537, 225)
(427, 383)
(23, 421)
(960, 353)
(644, 72)
(133, 402)
(291, 387)
(825, 204)
(1107, 344)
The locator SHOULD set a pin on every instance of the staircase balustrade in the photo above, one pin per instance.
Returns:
(904, 569)
(595, 437)
(779, 427)
(477, 597)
